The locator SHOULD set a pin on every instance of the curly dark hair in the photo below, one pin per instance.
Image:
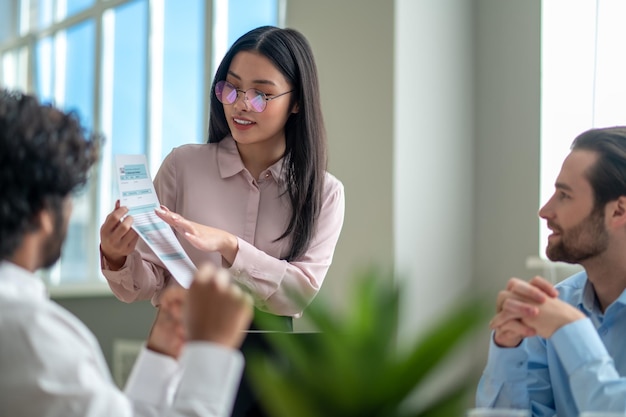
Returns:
(45, 154)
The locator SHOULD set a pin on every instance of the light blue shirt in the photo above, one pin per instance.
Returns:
(578, 369)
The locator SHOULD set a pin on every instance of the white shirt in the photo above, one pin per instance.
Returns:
(52, 365)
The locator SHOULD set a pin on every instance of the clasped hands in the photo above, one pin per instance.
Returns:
(212, 310)
(525, 309)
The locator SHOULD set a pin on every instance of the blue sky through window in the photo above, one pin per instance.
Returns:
(183, 74)
(129, 76)
(79, 71)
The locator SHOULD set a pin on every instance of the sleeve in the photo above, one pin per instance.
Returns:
(594, 380)
(517, 378)
(285, 288)
(52, 366)
(205, 383)
(143, 275)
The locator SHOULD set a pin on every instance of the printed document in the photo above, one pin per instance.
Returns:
(137, 193)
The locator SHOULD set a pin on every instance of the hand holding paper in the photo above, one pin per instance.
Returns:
(117, 238)
(138, 195)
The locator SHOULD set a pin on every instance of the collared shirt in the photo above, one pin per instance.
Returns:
(51, 365)
(578, 369)
(209, 184)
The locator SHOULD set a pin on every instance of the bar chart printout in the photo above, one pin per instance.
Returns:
(138, 194)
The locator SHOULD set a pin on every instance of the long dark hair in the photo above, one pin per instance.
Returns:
(608, 175)
(305, 135)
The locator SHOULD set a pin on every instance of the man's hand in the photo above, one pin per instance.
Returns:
(213, 310)
(553, 315)
(167, 335)
(519, 301)
(217, 310)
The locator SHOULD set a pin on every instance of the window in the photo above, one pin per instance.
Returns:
(583, 83)
(138, 71)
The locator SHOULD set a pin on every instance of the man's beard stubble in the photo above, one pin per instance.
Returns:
(587, 239)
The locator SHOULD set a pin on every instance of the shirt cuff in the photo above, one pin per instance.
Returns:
(153, 378)
(515, 358)
(259, 272)
(211, 372)
(578, 344)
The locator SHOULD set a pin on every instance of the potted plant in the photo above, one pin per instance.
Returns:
(353, 366)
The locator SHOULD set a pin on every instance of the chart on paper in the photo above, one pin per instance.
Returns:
(137, 193)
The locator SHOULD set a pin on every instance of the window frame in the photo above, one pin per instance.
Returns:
(99, 194)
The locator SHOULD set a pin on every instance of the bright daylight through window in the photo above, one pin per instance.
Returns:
(138, 71)
(583, 72)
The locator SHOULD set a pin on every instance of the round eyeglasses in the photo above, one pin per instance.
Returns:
(257, 100)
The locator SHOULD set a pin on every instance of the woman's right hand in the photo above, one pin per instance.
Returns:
(117, 238)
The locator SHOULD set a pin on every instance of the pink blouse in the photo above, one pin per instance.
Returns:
(209, 184)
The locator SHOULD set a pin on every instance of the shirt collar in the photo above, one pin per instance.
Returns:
(621, 299)
(228, 158)
(17, 282)
(590, 302)
(230, 163)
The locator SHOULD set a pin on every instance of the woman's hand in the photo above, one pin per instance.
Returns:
(117, 238)
(205, 238)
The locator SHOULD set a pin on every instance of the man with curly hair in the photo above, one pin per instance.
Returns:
(50, 363)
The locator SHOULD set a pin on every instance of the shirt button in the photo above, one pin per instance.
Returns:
(267, 175)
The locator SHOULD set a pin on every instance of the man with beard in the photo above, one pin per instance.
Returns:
(50, 363)
(560, 350)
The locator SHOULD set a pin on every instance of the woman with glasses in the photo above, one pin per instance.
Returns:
(256, 198)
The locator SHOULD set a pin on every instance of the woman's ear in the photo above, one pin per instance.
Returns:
(295, 109)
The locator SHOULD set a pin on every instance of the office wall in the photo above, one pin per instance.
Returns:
(353, 45)
(507, 106)
(460, 152)
(432, 110)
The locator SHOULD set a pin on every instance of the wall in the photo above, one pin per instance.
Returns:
(353, 45)
(507, 139)
(111, 319)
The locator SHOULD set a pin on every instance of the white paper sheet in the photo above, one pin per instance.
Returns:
(137, 193)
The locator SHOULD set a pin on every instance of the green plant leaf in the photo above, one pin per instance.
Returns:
(352, 367)
(434, 347)
(277, 395)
